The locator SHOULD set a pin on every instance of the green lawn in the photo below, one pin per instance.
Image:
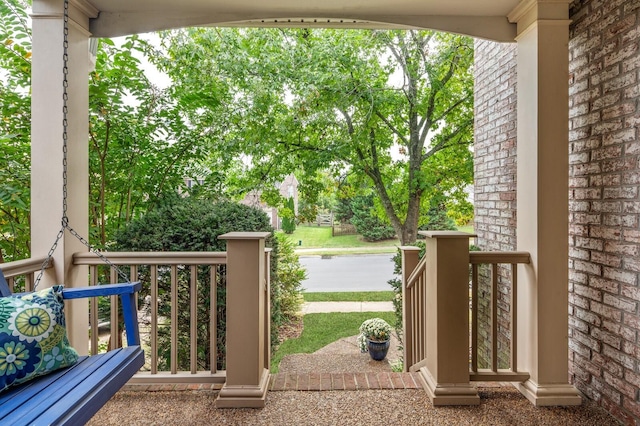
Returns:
(466, 228)
(319, 237)
(322, 329)
(318, 240)
(349, 296)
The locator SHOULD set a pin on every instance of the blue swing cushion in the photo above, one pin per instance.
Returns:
(33, 336)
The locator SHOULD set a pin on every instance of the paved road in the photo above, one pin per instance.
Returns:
(348, 273)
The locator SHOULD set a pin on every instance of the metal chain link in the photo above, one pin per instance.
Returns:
(65, 140)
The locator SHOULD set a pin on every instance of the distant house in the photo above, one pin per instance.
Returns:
(288, 189)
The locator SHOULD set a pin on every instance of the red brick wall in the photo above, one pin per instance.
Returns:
(604, 205)
(495, 181)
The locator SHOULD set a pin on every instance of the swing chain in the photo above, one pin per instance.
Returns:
(65, 140)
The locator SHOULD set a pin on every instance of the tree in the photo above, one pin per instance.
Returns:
(15, 131)
(392, 107)
(288, 217)
(141, 148)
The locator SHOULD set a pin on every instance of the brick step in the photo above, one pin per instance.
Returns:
(344, 381)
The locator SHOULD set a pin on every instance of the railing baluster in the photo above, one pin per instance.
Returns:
(154, 318)
(417, 331)
(474, 318)
(494, 317)
(174, 319)
(423, 316)
(267, 308)
(93, 311)
(213, 319)
(115, 317)
(28, 282)
(193, 320)
(514, 317)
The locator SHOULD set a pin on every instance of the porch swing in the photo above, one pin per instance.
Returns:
(43, 381)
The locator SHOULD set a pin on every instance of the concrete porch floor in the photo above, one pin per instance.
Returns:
(309, 391)
(500, 405)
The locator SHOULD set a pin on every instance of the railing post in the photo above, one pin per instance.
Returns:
(446, 368)
(410, 259)
(247, 373)
(267, 308)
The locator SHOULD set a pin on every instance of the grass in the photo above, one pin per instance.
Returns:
(319, 237)
(318, 240)
(466, 228)
(322, 329)
(349, 296)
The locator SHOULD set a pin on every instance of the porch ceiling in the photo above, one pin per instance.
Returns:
(485, 19)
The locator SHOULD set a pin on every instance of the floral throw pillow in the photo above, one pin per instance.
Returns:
(33, 337)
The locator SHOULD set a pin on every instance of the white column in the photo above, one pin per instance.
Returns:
(46, 149)
(543, 161)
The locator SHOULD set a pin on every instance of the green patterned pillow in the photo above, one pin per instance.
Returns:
(33, 337)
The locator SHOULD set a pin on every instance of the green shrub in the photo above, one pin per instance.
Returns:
(194, 225)
(289, 275)
(288, 219)
(367, 222)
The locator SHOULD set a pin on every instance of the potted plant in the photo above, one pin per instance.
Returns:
(375, 335)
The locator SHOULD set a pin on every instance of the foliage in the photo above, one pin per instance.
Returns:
(193, 225)
(367, 222)
(290, 275)
(375, 329)
(141, 148)
(437, 219)
(15, 130)
(394, 109)
(288, 217)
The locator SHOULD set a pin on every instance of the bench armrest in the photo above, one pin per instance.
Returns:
(127, 293)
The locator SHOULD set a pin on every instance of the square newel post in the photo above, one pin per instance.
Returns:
(410, 259)
(247, 372)
(446, 370)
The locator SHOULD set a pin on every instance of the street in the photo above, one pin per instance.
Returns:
(368, 272)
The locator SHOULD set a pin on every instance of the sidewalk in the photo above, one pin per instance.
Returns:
(319, 307)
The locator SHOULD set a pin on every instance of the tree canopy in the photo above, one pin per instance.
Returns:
(15, 130)
(384, 110)
(392, 108)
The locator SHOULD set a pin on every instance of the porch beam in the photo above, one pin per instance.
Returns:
(542, 187)
(111, 24)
